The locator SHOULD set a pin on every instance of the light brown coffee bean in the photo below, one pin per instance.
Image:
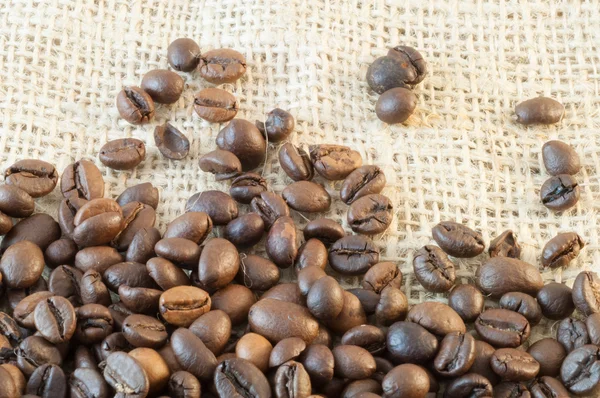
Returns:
(135, 105)
(163, 86)
(36, 177)
(171, 142)
(215, 105)
(123, 153)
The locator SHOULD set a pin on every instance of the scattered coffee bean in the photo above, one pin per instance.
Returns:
(406, 380)
(469, 385)
(82, 179)
(560, 192)
(55, 319)
(561, 250)
(94, 323)
(223, 164)
(219, 263)
(141, 300)
(246, 187)
(244, 140)
(181, 305)
(141, 248)
(144, 331)
(6, 224)
(392, 306)
(136, 216)
(288, 292)
(456, 354)
(334, 162)
(23, 312)
(48, 381)
(437, 318)
(277, 320)
(307, 196)
(237, 377)
(514, 365)
(279, 125)
(505, 245)
(130, 274)
(35, 351)
(40, 229)
(547, 387)
(183, 384)
(135, 105)
(586, 292)
(192, 354)
(97, 222)
(458, 240)
(524, 304)
(219, 206)
(353, 255)
(214, 329)
(36, 177)
(235, 301)
(257, 350)
(163, 86)
(382, 275)
(183, 54)
(572, 334)
(325, 298)
(281, 244)
(540, 110)
(433, 269)
(403, 66)
(363, 181)
(65, 281)
(295, 162)
(270, 206)
(396, 105)
(62, 251)
(125, 375)
(467, 301)
(245, 231)
(312, 253)
(15, 202)
(560, 158)
(166, 274)
(549, 353)
(14, 274)
(215, 105)
(353, 362)
(369, 337)
(123, 153)
(257, 273)
(556, 301)
(286, 350)
(371, 214)
(481, 366)
(578, 371)
(502, 328)
(92, 290)
(509, 389)
(325, 230)
(98, 258)
(222, 66)
(592, 324)
(171, 142)
(500, 275)
(194, 226)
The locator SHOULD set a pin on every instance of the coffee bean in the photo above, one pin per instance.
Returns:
(23, 312)
(572, 334)
(257, 273)
(237, 377)
(352, 315)
(8, 385)
(84, 358)
(59, 252)
(127, 273)
(92, 290)
(456, 354)
(48, 381)
(592, 324)
(392, 306)
(325, 298)
(396, 105)
(114, 342)
(586, 292)
(219, 263)
(369, 337)
(481, 365)
(548, 387)
(308, 276)
(82, 179)
(502, 328)
(540, 110)
(35, 351)
(560, 192)
(136, 216)
(277, 320)
(549, 353)
(14, 274)
(223, 164)
(334, 162)
(192, 354)
(382, 275)
(433, 269)
(288, 292)
(363, 181)
(55, 319)
(514, 365)
(366, 388)
(183, 384)
(244, 140)
(183, 54)
(279, 125)
(403, 66)
(312, 253)
(246, 187)
(97, 258)
(406, 380)
(214, 329)
(371, 214)
(524, 304)
(141, 248)
(500, 275)
(292, 380)
(171, 142)
(561, 250)
(509, 389)
(94, 323)
(163, 86)
(469, 385)
(353, 362)
(579, 371)
(15, 202)
(295, 162)
(505, 245)
(85, 383)
(307, 196)
(180, 251)
(135, 105)
(144, 331)
(467, 301)
(64, 281)
(215, 105)
(281, 244)
(66, 215)
(325, 230)
(222, 65)
(560, 158)
(270, 206)
(556, 301)
(166, 274)
(458, 240)
(410, 342)
(125, 375)
(353, 255)
(181, 305)
(235, 301)
(194, 226)
(155, 367)
(144, 192)
(140, 300)
(286, 350)
(97, 222)
(368, 299)
(123, 153)
(6, 224)
(437, 318)
(219, 206)
(318, 362)
(36, 177)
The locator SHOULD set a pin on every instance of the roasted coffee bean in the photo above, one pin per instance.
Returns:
(505, 245)
(318, 362)
(481, 366)
(560, 192)
(285, 350)
(277, 320)
(334, 162)
(458, 240)
(97, 258)
(410, 342)
(392, 306)
(325, 298)
(6, 224)
(396, 105)
(586, 292)
(592, 324)
(144, 192)
(369, 337)
(183, 384)
(547, 387)
(382, 275)
(365, 180)
(371, 214)
(166, 274)
(292, 380)
(83, 180)
(406, 380)
(15, 202)
(48, 381)
(433, 269)
(572, 334)
(183, 54)
(140, 300)
(125, 375)
(92, 290)
(7, 385)
(36, 177)
(219, 264)
(155, 367)
(579, 371)
(14, 274)
(130, 274)
(9, 329)
(500, 275)
(84, 383)
(181, 251)
(214, 329)
(195, 226)
(23, 312)
(114, 342)
(560, 158)
(540, 110)
(235, 301)
(94, 323)
(135, 105)
(524, 304)
(60, 252)
(353, 362)
(556, 301)
(362, 388)
(467, 301)
(14, 296)
(163, 86)
(219, 206)
(312, 253)
(141, 248)
(270, 207)
(353, 255)
(470, 385)
(223, 65)
(288, 292)
(55, 319)
(549, 353)
(35, 351)
(257, 273)
(84, 358)
(456, 354)
(238, 378)
(281, 244)
(295, 162)
(403, 66)
(215, 105)
(244, 140)
(40, 229)
(192, 354)
(136, 216)
(97, 222)
(223, 164)
(307, 196)
(278, 126)
(510, 389)
(123, 153)
(514, 365)
(64, 281)
(144, 331)
(352, 315)
(325, 230)
(561, 250)
(181, 305)
(437, 318)
(246, 187)
(171, 142)
(502, 328)
(307, 278)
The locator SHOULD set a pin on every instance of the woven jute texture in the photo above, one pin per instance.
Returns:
(460, 157)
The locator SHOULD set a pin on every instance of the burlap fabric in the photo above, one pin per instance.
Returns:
(459, 157)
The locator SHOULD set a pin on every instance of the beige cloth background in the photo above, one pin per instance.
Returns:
(459, 157)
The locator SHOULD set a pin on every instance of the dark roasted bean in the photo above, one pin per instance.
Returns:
(500, 275)
(514, 365)
(312, 253)
(223, 164)
(246, 187)
(257, 273)
(561, 250)
(392, 306)
(510, 389)
(238, 378)
(437, 318)
(470, 385)
(334, 162)
(325, 230)
(295, 162)
(181, 305)
(467, 301)
(98, 258)
(556, 301)
(353, 255)
(505, 245)
(136, 216)
(560, 158)
(183, 54)
(82, 179)
(215, 105)
(403, 66)
(456, 354)
(586, 292)
(192, 354)
(549, 353)
(270, 206)
(502, 328)
(410, 342)
(396, 105)
(123, 153)
(65, 281)
(125, 375)
(325, 299)
(60, 252)
(433, 269)
(548, 387)
(171, 142)
(572, 334)
(235, 301)
(48, 381)
(183, 384)
(14, 274)
(524, 304)
(458, 240)
(39, 228)
(277, 320)
(580, 371)
(55, 319)
(219, 206)
(560, 192)
(540, 110)
(406, 380)
(135, 105)
(278, 126)
(244, 140)
(163, 86)
(371, 214)
(223, 65)
(281, 244)
(15, 202)
(144, 331)
(307, 196)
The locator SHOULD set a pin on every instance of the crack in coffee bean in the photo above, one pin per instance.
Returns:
(58, 318)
